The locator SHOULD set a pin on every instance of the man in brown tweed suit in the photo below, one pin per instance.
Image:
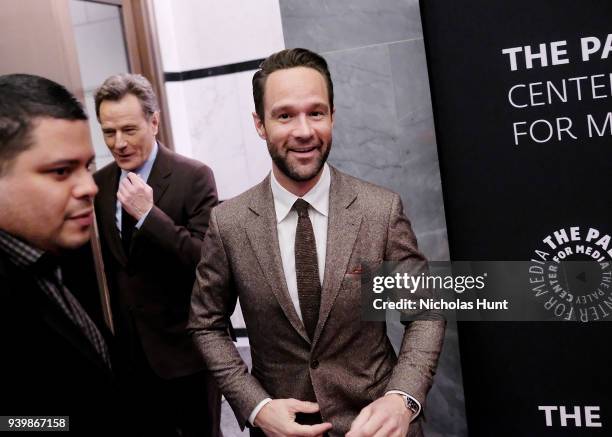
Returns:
(291, 249)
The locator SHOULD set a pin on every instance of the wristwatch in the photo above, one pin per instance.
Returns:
(411, 404)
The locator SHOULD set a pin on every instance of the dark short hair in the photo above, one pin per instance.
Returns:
(289, 58)
(118, 86)
(23, 99)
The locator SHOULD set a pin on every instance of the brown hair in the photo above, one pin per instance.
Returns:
(289, 58)
(118, 86)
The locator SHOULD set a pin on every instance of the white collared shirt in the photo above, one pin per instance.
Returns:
(286, 224)
(144, 172)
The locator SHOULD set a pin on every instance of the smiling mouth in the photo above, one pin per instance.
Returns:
(306, 150)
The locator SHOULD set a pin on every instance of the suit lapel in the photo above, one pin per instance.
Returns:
(159, 179)
(59, 322)
(107, 211)
(263, 236)
(342, 229)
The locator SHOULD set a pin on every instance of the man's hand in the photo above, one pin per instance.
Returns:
(135, 195)
(386, 416)
(277, 418)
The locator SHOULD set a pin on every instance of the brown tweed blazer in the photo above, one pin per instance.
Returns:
(350, 362)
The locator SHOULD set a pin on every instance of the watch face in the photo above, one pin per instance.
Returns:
(411, 404)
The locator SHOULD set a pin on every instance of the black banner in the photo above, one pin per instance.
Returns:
(522, 95)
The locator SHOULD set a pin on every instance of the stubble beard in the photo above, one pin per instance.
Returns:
(291, 171)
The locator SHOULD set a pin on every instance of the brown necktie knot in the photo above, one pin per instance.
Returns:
(301, 206)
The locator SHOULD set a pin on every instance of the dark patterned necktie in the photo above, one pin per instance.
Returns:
(307, 268)
(128, 224)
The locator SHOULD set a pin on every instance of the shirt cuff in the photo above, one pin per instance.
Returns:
(142, 219)
(257, 409)
(403, 393)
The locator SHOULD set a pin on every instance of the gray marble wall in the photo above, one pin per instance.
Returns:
(384, 133)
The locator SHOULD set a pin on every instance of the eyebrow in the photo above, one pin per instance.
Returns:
(69, 162)
(112, 129)
(280, 109)
(284, 108)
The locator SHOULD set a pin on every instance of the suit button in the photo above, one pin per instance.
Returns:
(314, 364)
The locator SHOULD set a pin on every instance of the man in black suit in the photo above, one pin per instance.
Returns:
(55, 358)
(153, 210)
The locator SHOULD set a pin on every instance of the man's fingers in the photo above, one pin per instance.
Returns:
(303, 406)
(122, 195)
(358, 423)
(125, 188)
(311, 430)
(387, 430)
(134, 178)
(126, 182)
(373, 424)
(132, 182)
(130, 186)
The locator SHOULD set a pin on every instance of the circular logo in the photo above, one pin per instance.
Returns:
(570, 274)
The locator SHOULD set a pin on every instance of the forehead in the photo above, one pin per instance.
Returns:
(128, 108)
(55, 140)
(293, 86)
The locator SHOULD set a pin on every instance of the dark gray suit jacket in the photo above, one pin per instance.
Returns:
(349, 363)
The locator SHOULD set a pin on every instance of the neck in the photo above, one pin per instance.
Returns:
(299, 188)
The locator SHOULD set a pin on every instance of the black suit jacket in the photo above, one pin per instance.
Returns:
(48, 365)
(151, 286)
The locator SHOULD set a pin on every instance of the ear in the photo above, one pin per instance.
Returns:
(333, 116)
(155, 122)
(259, 126)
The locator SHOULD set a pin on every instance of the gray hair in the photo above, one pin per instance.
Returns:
(118, 86)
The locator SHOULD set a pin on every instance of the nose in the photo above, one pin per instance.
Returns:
(120, 142)
(85, 185)
(303, 129)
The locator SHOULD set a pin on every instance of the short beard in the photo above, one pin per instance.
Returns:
(291, 172)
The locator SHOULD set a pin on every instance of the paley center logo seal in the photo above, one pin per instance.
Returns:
(570, 274)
